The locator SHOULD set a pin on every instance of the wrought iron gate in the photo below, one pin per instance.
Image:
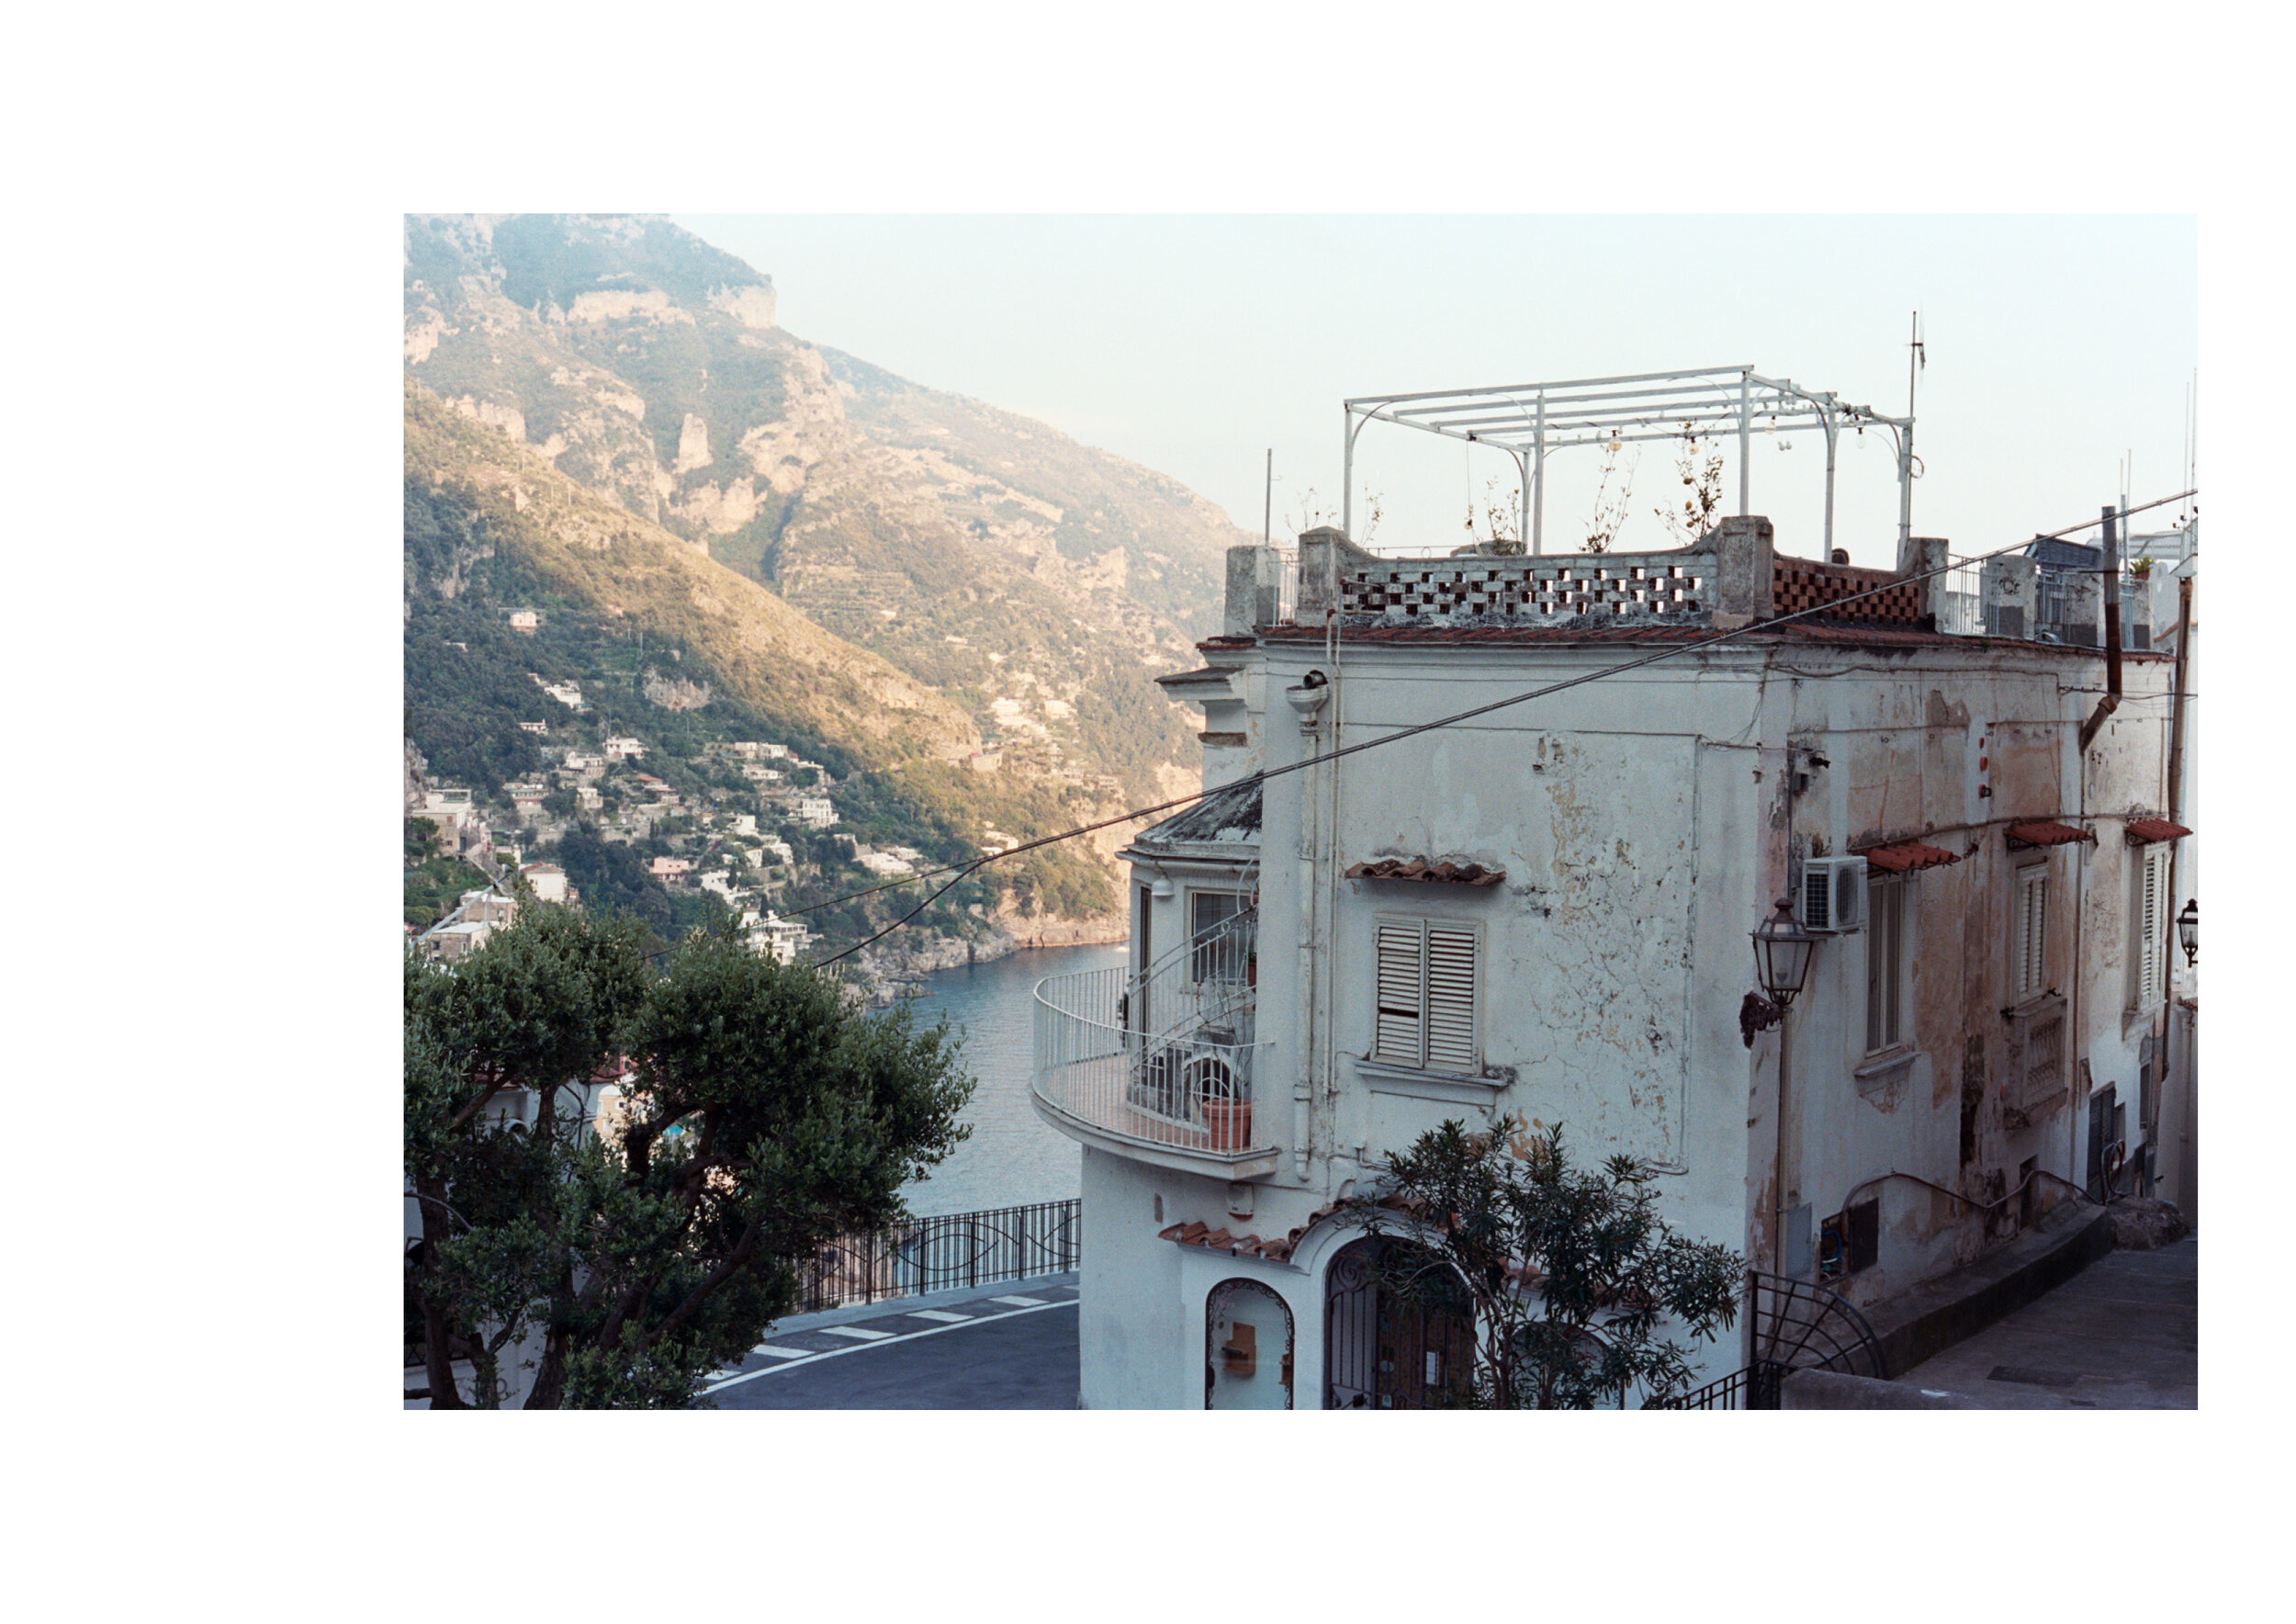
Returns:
(1791, 1326)
(1382, 1351)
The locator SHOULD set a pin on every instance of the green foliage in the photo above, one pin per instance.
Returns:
(434, 883)
(612, 877)
(766, 1118)
(1572, 1274)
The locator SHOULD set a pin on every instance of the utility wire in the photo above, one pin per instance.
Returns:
(963, 870)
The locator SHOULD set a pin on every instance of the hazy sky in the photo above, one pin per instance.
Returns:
(2058, 345)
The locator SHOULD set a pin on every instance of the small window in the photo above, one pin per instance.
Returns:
(1220, 947)
(2029, 945)
(1849, 1241)
(1884, 963)
(2148, 926)
(1424, 996)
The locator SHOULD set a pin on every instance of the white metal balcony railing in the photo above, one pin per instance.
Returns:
(1164, 1057)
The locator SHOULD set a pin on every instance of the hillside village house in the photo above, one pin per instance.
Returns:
(1549, 910)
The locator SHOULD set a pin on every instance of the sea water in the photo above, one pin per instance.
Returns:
(1012, 1158)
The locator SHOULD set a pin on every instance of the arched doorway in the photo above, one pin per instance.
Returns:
(1384, 1348)
(1247, 1347)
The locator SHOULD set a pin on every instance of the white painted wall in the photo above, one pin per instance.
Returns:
(1645, 825)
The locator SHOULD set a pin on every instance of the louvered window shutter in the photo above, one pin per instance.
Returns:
(1450, 998)
(2032, 924)
(1898, 891)
(1400, 965)
(2148, 943)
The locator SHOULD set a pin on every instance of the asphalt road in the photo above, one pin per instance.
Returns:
(977, 1353)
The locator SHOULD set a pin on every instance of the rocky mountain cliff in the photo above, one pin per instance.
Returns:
(1034, 584)
(702, 651)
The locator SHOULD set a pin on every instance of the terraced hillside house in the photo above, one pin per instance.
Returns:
(1549, 909)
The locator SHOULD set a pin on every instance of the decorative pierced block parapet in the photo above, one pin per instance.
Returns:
(1529, 589)
(1803, 583)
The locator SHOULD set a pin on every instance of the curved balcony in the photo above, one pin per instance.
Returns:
(1181, 1099)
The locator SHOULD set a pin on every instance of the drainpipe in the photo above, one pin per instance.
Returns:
(1307, 700)
(2176, 848)
(1784, 1201)
(2111, 701)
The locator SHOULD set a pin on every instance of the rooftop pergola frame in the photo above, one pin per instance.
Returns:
(1529, 420)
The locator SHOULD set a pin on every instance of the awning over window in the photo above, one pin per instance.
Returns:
(2048, 834)
(1905, 857)
(2143, 831)
(1420, 868)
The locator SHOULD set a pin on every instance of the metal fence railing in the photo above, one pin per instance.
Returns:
(943, 1253)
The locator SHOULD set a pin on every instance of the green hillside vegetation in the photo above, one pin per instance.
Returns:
(434, 883)
(620, 599)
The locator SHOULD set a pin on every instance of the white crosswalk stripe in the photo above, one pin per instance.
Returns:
(1022, 1301)
(772, 1352)
(941, 1315)
(858, 1333)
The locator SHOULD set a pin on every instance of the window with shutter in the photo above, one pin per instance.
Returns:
(2146, 925)
(1425, 1008)
(1397, 1037)
(1450, 998)
(2029, 958)
(1884, 963)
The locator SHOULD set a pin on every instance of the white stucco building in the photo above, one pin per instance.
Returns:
(1546, 910)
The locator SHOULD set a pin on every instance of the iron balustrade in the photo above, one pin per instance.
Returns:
(1188, 1088)
(1161, 1056)
(942, 1253)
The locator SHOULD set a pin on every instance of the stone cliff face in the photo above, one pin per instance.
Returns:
(1037, 583)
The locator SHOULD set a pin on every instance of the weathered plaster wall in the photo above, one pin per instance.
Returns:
(1900, 748)
(1597, 805)
(1645, 825)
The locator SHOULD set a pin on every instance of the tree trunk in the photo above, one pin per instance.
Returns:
(438, 1361)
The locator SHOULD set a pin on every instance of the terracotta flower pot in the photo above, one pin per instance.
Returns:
(1229, 1121)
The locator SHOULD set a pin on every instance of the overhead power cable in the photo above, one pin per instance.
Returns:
(1671, 652)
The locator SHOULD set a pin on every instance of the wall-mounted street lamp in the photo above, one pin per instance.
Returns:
(2189, 930)
(1782, 955)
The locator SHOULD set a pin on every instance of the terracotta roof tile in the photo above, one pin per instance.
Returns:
(1421, 868)
(2048, 832)
(1276, 1250)
(1904, 856)
(2144, 830)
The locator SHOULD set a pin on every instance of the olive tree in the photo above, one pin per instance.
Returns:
(763, 1116)
(1572, 1275)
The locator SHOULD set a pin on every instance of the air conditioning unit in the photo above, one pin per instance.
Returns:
(1830, 900)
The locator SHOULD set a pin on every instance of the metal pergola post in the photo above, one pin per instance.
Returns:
(1538, 478)
(1745, 439)
(1831, 430)
(1523, 498)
